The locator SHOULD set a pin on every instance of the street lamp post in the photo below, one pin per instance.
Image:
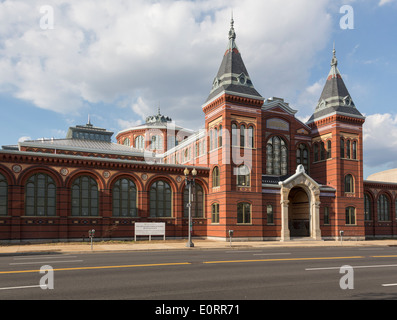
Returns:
(189, 182)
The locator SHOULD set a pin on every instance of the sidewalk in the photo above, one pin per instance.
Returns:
(78, 247)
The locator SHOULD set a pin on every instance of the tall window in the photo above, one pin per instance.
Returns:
(40, 196)
(243, 176)
(251, 137)
(350, 215)
(315, 151)
(349, 183)
(322, 151)
(354, 150)
(215, 213)
(160, 200)
(367, 207)
(85, 197)
(383, 208)
(139, 143)
(342, 148)
(348, 149)
(127, 142)
(220, 137)
(276, 157)
(326, 215)
(124, 198)
(329, 149)
(3, 195)
(197, 202)
(216, 179)
(243, 213)
(156, 143)
(270, 214)
(242, 136)
(234, 134)
(302, 156)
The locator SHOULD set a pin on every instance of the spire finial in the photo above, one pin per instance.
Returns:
(89, 121)
(334, 61)
(232, 33)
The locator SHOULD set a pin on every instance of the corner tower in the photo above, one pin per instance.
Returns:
(233, 123)
(338, 153)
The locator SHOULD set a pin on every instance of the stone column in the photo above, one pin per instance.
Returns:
(285, 234)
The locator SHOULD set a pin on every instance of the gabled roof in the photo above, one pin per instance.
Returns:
(335, 98)
(233, 77)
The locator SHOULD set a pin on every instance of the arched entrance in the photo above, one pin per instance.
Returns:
(300, 206)
(299, 213)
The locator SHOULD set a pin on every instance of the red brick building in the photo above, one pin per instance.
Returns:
(261, 172)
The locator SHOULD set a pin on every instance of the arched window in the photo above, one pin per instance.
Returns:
(234, 134)
(157, 143)
(276, 157)
(3, 196)
(215, 213)
(197, 202)
(40, 196)
(216, 179)
(342, 148)
(251, 137)
(244, 213)
(367, 207)
(124, 198)
(329, 149)
(139, 143)
(127, 142)
(242, 136)
(383, 208)
(349, 183)
(350, 215)
(160, 200)
(302, 156)
(85, 197)
(243, 176)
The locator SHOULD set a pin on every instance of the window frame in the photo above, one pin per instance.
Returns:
(242, 213)
(131, 200)
(92, 184)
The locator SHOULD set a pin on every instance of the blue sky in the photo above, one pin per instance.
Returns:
(120, 60)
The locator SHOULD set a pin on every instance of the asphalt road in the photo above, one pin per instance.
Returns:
(219, 276)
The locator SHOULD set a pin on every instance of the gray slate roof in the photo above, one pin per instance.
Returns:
(335, 98)
(233, 77)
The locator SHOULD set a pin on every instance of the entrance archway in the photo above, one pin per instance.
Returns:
(299, 213)
(300, 206)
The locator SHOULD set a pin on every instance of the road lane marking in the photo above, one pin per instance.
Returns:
(44, 262)
(393, 256)
(271, 254)
(21, 287)
(41, 257)
(389, 285)
(289, 259)
(100, 267)
(354, 267)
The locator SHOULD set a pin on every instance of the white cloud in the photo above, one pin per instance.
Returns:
(380, 140)
(383, 2)
(152, 53)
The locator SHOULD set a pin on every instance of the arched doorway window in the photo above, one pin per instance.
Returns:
(124, 195)
(3, 196)
(40, 196)
(299, 213)
(85, 197)
(197, 202)
(160, 195)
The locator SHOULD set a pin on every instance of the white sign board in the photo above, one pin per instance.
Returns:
(149, 229)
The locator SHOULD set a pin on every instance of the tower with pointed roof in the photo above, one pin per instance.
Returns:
(338, 150)
(233, 123)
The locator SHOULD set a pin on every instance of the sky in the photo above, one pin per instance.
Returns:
(118, 61)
